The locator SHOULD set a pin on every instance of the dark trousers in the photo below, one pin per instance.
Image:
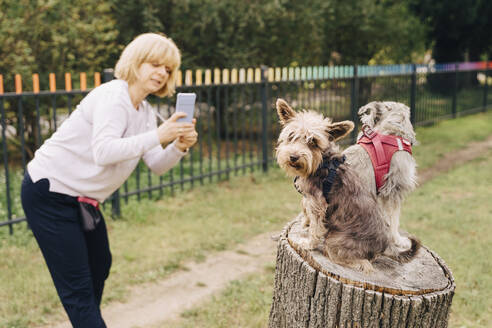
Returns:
(78, 261)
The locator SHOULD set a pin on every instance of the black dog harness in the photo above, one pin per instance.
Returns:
(332, 167)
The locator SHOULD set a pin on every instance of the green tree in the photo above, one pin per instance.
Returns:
(60, 35)
(134, 17)
(228, 33)
(51, 36)
(55, 36)
(358, 31)
(457, 29)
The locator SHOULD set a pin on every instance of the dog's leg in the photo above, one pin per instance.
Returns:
(386, 210)
(305, 221)
(399, 240)
(315, 232)
(391, 210)
(400, 180)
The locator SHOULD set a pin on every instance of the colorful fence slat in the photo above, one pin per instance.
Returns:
(83, 81)
(97, 79)
(18, 84)
(35, 83)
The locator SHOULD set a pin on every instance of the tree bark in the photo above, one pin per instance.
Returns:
(311, 292)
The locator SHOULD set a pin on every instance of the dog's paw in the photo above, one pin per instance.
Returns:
(403, 243)
(307, 244)
(360, 265)
(365, 266)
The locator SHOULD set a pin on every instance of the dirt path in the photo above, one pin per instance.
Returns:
(455, 159)
(153, 303)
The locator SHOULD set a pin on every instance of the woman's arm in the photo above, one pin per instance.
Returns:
(161, 160)
(110, 122)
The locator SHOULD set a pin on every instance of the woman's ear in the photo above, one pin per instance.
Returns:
(284, 111)
(339, 130)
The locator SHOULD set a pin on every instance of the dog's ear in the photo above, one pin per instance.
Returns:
(284, 111)
(339, 130)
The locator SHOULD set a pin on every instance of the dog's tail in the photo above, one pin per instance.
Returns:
(407, 255)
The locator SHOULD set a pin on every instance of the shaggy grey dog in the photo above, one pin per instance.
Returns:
(345, 222)
(388, 118)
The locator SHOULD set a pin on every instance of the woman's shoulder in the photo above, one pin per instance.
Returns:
(114, 92)
(114, 87)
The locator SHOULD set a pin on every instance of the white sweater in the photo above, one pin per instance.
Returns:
(97, 148)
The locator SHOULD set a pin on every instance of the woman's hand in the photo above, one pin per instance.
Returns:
(171, 130)
(188, 140)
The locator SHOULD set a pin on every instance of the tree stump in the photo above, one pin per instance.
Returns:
(310, 291)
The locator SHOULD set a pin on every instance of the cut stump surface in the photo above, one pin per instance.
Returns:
(311, 291)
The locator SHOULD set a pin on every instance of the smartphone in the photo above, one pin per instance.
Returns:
(186, 103)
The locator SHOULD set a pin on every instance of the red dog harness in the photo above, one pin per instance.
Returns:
(381, 148)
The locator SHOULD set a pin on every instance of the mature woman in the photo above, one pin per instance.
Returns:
(91, 155)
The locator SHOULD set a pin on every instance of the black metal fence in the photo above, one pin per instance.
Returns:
(236, 117)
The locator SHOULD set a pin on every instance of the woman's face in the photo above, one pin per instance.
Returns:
(153, 76)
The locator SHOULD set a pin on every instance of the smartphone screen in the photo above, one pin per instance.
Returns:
(186, 103)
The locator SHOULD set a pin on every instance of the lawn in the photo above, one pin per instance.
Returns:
(215, 217)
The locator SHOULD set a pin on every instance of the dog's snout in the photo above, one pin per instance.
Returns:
(294, 158)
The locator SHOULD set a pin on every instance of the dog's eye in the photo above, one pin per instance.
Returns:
(313, 143)
(290, 137)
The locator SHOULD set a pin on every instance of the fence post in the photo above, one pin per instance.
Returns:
(486, 86)
(455, 90)
(264, 115)
(353, 103)
(108, 75)
(413, 91)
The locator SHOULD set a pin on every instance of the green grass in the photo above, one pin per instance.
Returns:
(451, 214)
(207, 219)
(448, 136)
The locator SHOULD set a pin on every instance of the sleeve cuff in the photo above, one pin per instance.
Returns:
(177, 150)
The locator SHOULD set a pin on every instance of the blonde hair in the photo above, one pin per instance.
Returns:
(149, 47)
